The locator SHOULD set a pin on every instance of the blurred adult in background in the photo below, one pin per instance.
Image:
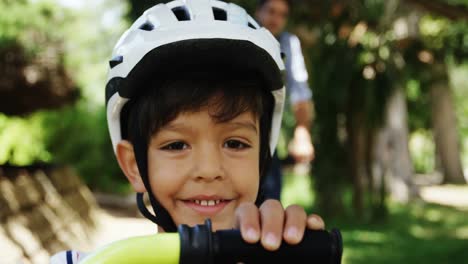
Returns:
(273, 15)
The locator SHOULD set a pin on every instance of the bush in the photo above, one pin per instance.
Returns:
(78, 135)
(422, 149)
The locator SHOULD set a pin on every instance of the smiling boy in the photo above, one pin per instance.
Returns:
(203, 145)
(207, 141)
(194, 102)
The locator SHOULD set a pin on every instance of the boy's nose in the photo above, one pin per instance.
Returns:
(208, 164)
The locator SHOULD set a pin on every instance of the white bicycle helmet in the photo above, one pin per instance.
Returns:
(184, 34)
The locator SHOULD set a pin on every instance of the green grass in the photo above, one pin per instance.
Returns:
(415, 233)
(297, 190)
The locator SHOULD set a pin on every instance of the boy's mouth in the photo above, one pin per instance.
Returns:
(208, 206)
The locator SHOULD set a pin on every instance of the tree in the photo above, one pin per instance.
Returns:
(439, 40)
(445, 125)
(53, 58)
(31, 60)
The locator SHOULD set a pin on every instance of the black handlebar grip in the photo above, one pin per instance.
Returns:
(200, 245)
(316, 247)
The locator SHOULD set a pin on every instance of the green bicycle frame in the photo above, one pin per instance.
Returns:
(158, 248)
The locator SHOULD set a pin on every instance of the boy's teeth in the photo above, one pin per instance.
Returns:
(207, 202)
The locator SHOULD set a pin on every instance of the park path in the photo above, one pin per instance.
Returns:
(116, 224)
(449, 195)
(112, 225)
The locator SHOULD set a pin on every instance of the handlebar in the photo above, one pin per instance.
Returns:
(199, 244)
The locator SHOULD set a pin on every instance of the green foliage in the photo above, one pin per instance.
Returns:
(78, 135)
(457, 2)
(30, 24)
(434, 28)
(368, 10)
(445, 37)
(418, 103)
(21, 141)
(137, 7)
(422, 151)
(75, 135)
(90, 36)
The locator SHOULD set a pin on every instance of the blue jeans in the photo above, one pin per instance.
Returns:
(273, 180)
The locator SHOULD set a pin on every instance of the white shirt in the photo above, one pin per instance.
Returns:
(68, 257)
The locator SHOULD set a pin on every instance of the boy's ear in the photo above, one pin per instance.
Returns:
(128, 164)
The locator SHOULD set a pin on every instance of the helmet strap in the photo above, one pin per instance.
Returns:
(143, 210)
(163, 219)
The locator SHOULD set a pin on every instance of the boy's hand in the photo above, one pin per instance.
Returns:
(271, 223)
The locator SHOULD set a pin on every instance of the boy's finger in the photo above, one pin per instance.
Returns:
(248, 221)
(272, 220)
(295, 224)
(315, 222)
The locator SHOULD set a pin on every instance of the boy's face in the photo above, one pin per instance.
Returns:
(199, 168)
(273, 15)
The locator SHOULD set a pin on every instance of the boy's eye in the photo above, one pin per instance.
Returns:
(179, 145)
(235, 144)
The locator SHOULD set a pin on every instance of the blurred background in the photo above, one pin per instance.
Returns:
(389, 81)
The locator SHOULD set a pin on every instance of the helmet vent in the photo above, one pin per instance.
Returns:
(115, 61)
(219, 14)
(251, 26)
(181, 13)
(147, 26)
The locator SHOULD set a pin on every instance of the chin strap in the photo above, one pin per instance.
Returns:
(143, 210)
(162, 217)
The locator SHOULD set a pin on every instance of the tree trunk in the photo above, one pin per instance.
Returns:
(330, 164)
(395, 168)
(356, 130)
(357, 158)
(445, 126)
(376, 167)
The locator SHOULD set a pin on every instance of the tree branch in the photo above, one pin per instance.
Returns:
(453, 12)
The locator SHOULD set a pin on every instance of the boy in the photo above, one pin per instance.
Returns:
(194, 103)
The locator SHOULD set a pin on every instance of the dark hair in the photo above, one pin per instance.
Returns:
(260, 3)
(226, 95)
